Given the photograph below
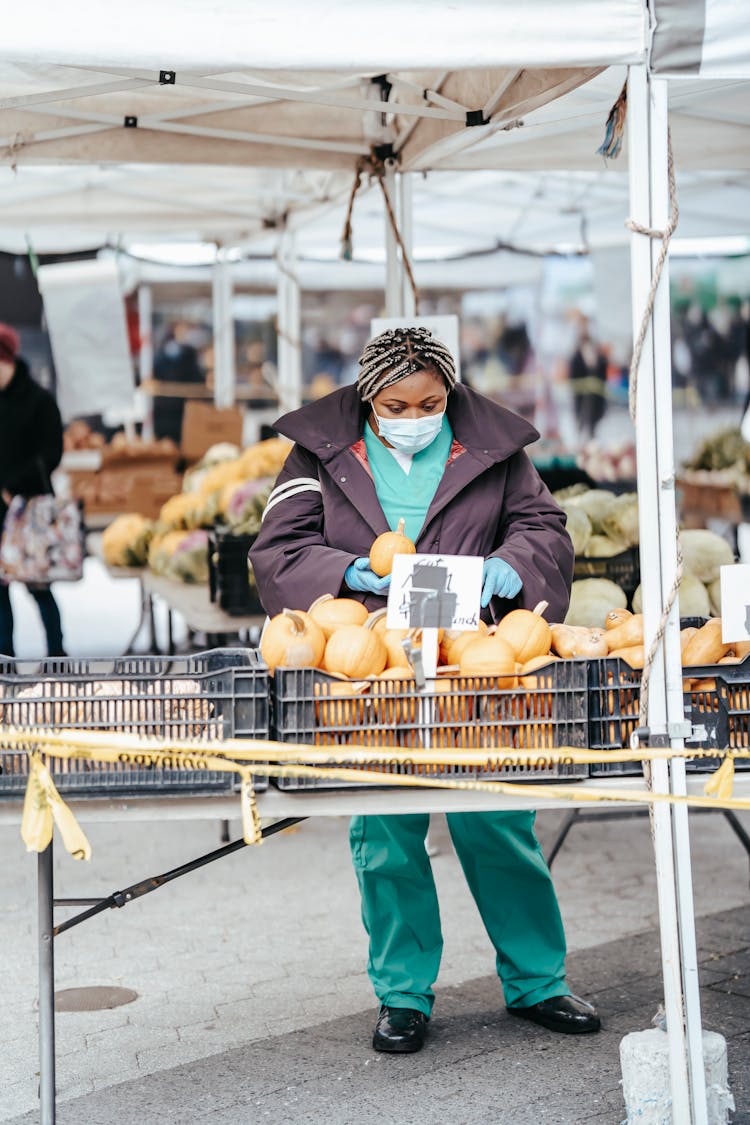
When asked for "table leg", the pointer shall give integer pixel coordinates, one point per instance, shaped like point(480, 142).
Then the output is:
point(170, 632)
point(152, 645)
point(46, 987)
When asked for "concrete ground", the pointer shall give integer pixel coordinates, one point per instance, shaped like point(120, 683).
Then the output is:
point(254, 1005)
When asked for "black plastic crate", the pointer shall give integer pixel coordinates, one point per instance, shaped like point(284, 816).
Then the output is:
point(228, 579)
point(469, 713)
point(614, 700)
point(623, 569)
point(731, 691)
point(223, 693)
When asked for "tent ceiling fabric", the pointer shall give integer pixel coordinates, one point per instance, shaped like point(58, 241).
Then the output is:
point(242, 35)
point(263, 119)
point(710, 38)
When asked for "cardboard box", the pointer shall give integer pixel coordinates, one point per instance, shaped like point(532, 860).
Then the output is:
point(203, 426)
point(117, 491)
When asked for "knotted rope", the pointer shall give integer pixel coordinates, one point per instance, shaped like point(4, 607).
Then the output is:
point(374, 168)
point(664, 236)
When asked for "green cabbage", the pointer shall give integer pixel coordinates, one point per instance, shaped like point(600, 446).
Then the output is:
point(621, 522)
point(694, 597)
point(602, 547)
point(596, 503)
point(591, 599)
point(704, 553)
point(578, 525)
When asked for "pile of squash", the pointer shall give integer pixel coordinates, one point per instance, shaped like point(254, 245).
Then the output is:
point(487, 693)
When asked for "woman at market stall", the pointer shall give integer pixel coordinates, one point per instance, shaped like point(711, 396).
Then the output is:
point(410, 442)
point(31, 446)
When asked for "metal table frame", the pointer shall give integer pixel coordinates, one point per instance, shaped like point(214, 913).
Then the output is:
point(283, 809)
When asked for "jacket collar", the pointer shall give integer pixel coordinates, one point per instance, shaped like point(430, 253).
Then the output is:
point(335, 423)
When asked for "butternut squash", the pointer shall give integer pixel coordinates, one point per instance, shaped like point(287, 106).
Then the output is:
point(576, 642)
point(616, 617)
point(706, 646)
point(633, 655)
point(629, 633)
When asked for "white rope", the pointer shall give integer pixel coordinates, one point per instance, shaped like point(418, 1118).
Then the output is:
point(665, 236)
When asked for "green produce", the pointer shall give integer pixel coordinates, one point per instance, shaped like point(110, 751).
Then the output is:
point(694, 597)
point(591, 599)
point(714, 596)
point(597, 504)
point(704, 553)
point(621, 521)
point(602, 547)
point(578, 526)
point(720, 451)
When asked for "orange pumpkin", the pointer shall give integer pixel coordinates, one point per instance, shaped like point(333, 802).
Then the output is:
point(331, 613)
point(386, 546)
point(526, 631)
point(488, 656)
point(455, 641)
point(292, 639)
point(355, 651)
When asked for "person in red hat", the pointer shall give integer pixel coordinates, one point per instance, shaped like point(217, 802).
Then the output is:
point(31, 445)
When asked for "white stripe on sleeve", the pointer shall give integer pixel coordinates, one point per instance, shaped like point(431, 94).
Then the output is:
point(287, 493)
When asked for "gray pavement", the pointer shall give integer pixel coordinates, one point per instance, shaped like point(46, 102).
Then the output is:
point(254, 1005)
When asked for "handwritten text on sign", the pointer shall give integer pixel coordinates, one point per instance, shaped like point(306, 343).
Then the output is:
point(435, 592)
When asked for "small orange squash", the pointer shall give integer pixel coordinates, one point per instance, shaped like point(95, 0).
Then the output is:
point(616, 617)
point(386, 546)
point(292, 639)
point(629, 633)
point(455, 641)
point(331, 613)
point(355, 651)
point(705, 646)
point(526, 631)
point(488, 656)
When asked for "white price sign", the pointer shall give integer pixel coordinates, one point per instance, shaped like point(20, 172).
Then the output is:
point(435, 592)
point(735, 603)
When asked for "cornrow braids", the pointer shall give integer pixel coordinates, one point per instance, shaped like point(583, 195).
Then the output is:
point(400, 352)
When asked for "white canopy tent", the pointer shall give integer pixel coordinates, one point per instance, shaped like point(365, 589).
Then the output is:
point(439, 84)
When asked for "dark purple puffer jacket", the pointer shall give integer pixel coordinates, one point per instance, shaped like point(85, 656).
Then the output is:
point(324, 512)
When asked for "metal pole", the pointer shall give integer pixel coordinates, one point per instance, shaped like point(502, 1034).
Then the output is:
point(653, 580)
point(45, 895)
point(225, 377)
point(406, 220)
point(393, 267)
point(146, 352)
point(289, 324)
point(658, 139)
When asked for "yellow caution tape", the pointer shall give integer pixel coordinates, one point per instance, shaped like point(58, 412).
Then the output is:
point(721, 783)
point(43, 803)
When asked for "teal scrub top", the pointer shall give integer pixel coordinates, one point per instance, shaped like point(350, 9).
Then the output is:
point(402, 495)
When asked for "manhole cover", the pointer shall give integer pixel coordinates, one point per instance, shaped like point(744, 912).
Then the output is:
point(93, 999)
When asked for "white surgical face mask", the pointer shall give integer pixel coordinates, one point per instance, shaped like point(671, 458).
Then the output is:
point(410, 435)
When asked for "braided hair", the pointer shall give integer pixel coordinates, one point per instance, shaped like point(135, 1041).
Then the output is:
point(400, 352)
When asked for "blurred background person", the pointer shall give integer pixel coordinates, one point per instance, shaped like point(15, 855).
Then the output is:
point(176, 362)
point(31, 446)
point(588, 382)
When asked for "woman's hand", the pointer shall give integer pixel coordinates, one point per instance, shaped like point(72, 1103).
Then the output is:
point(499, 579)
point(360, 577)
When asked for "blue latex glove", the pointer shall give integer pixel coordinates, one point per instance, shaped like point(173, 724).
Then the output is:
point(359, 577)
point(499, 579)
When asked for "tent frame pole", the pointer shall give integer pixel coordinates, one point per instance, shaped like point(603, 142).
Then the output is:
point(225, 374)
point(649, 205)
point(393, 267)
point(406, 221)
point(146, 353)
point(289, 324)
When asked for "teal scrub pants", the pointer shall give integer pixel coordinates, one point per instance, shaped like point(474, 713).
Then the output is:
point(512, 887)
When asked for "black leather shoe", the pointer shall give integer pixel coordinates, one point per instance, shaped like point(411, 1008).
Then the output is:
point(400, 1030)
point(568, 1014)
